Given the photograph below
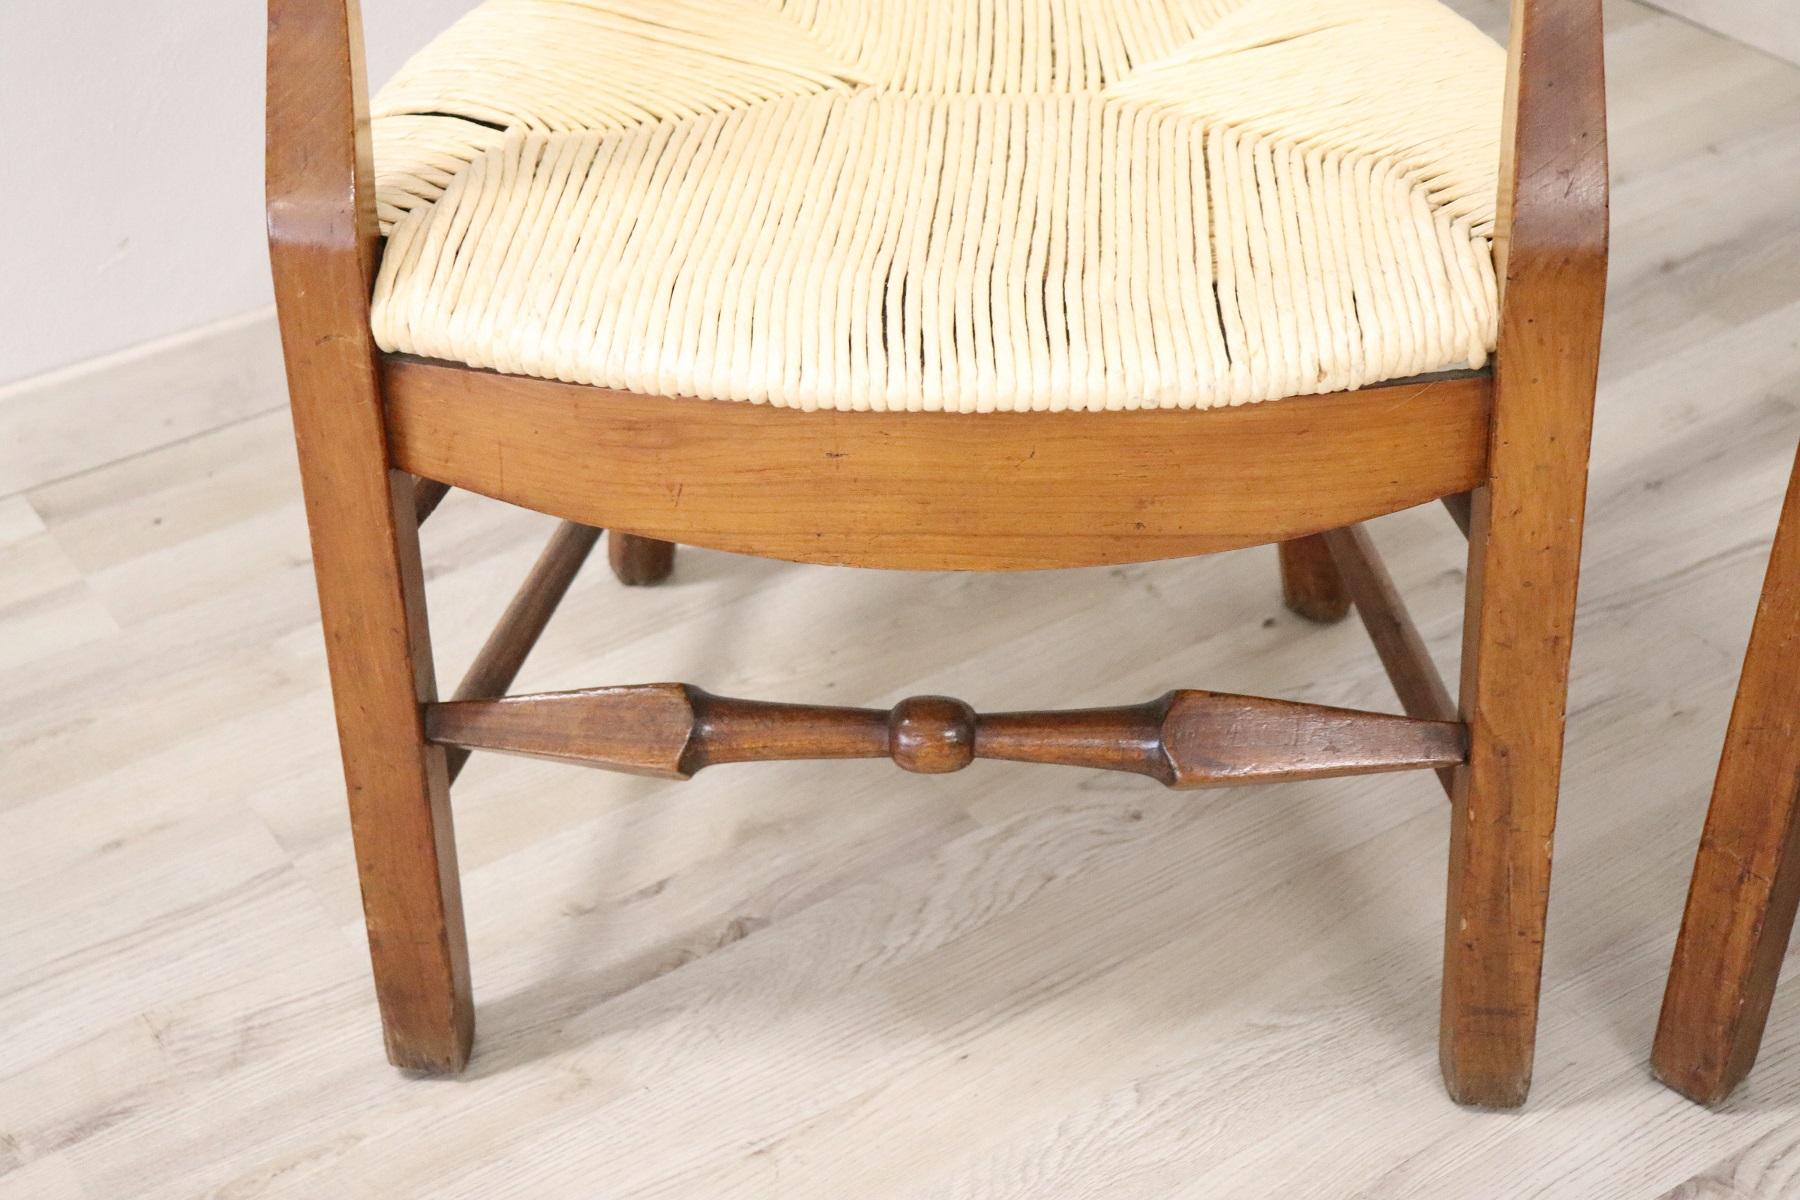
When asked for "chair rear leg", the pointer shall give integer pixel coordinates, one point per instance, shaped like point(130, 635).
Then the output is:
point(1310, 583)
point(639, 561)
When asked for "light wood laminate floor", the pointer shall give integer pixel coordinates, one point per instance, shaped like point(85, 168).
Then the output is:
point(842, 981)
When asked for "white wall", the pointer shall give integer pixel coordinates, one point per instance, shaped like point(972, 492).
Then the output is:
point(131, 167)
point(1772, 26)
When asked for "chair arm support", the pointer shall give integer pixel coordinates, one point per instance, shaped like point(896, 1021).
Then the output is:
point(1553, 174)
point(319, 164)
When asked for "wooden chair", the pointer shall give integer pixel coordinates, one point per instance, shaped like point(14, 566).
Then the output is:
point(877, 480)
point(1740, 907)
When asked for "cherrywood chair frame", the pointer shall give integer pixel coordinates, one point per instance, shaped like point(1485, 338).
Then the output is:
point(381, 436)
point(1746, 885)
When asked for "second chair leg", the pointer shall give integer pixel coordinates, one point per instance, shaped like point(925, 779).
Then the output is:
point(639, 561)
point(1746, 886)
point(1310, 583)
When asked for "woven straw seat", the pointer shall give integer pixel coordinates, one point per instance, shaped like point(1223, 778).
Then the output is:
point(967, 205)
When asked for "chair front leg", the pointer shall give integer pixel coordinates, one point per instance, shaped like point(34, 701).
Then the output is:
point(1550, 242)
point(1524, 553)
point(364, 520)
point(371, 594)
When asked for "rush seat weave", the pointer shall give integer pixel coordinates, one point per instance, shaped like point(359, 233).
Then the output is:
point(966, 205)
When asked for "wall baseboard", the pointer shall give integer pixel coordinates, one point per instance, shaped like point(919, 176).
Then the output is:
point(73, 419)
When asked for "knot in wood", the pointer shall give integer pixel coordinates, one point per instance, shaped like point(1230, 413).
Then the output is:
point(932, 735)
